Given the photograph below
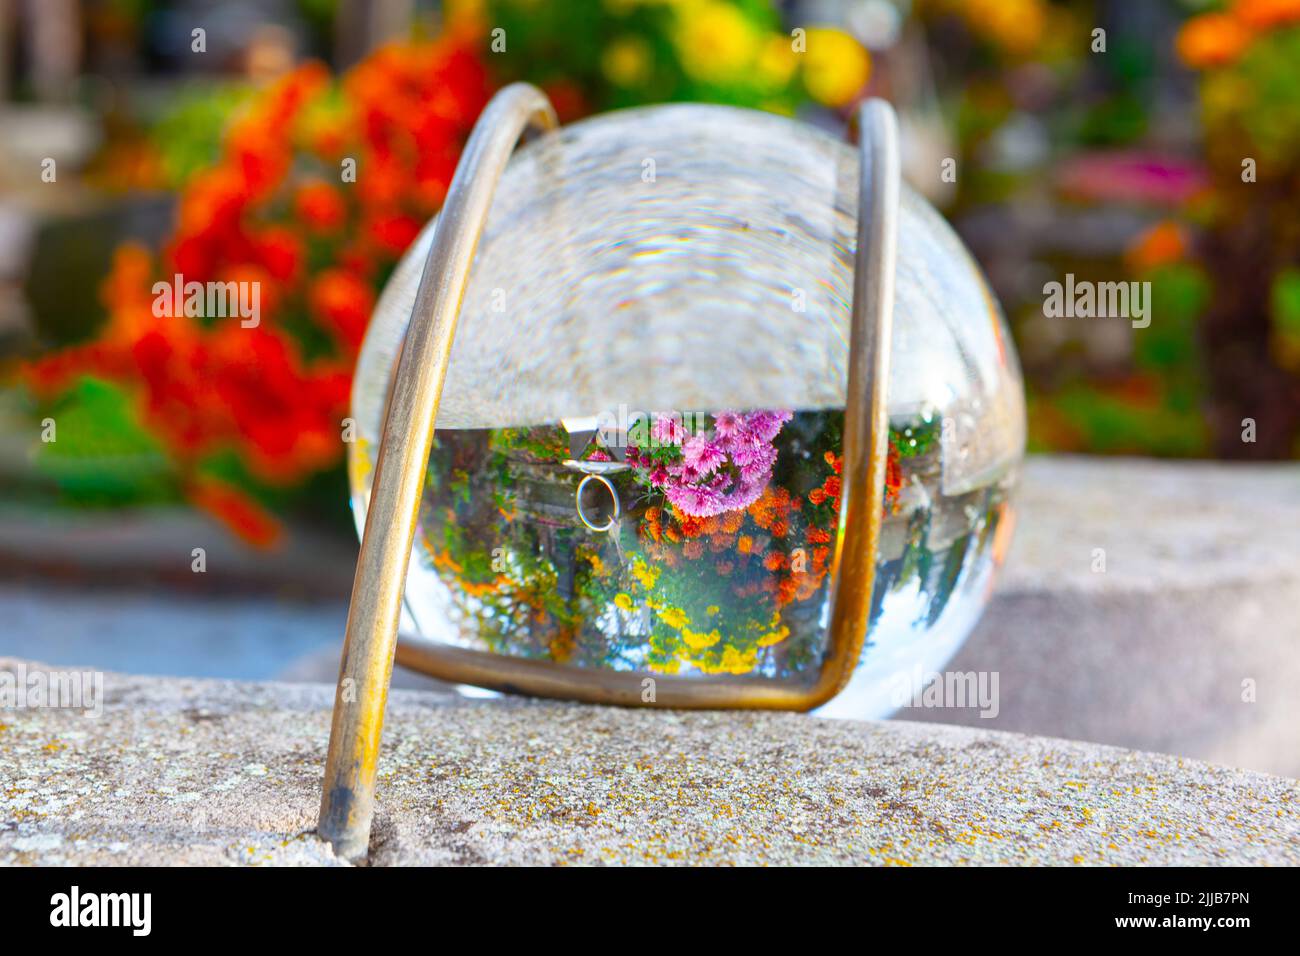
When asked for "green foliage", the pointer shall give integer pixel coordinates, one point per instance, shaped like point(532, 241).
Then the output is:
point(1111, 423)
point(188, 136)
point(1179, 293)
point(101, 455)
point(1286, 302)
point(1253, 107)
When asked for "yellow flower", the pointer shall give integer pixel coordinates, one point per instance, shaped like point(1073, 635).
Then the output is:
point(716, 42)
point(465, 13)
point(835, 66)
point(359, 462)
point(774, 637)
point(674, 618)
point(698, 640)
point(734, 662)
point(626, 61)
point(1015, 25)
point(712, 609)
point(623, 601)
point(776, 62)
point(644, 573)
point(598, 567)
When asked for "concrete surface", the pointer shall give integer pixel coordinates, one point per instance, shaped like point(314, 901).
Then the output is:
point(191, 772)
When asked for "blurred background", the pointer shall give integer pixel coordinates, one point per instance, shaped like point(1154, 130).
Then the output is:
point(1155, 141)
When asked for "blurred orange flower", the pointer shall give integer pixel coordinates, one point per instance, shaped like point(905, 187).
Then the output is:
point(234, 509)
point(1265, 14)
point(1211, 40)
point(1163, 243)
point(304, 176)
point(320, 206)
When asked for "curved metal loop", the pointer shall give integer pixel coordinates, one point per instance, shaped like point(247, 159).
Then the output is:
point(613, 494)
point(347, 801)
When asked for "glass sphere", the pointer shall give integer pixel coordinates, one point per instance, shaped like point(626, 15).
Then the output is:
point(658, 312)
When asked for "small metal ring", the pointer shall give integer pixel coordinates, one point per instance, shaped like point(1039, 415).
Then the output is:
point(613, 494)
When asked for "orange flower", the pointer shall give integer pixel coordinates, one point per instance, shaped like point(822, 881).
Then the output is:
point(1265, 14)
point(207, 386)
point(807, 585)
point(1163, 243)
point(236, 510)
point(342, 304)
point(774, 561)
point(692, 526)
point(893, 477)
point(1212, 40)
point(786, 590)
point(279, 251)
point(772, 506)
point(319, 206)
point(392, 234)
point(745, 545)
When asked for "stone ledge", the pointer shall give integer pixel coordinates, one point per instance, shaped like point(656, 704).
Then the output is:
point(189, 772)
point(1201, 591)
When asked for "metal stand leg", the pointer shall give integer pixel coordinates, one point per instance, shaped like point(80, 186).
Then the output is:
point(866, 413)
point(347, 800)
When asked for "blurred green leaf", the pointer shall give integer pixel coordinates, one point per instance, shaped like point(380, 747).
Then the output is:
point(101, 455)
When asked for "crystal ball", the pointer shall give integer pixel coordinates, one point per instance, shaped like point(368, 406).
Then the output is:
point(636, 462)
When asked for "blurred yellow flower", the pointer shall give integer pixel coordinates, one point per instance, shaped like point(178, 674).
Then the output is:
point(674, 618)
point(735, 662)
point(715, 41)
point(466, 14)
point(835, 67)
point(1015, 25)
point(698, 640)
point(644, 573)
point(623, 601)
point(776, 62)
point(626, 61)
point(774, 637)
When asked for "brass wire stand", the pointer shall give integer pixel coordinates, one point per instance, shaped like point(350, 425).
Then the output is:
point(371, 641)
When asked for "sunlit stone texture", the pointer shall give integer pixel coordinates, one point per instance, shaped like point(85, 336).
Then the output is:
point(661, 299)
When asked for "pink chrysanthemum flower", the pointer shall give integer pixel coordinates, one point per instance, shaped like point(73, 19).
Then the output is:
point(667, 430)
point(718, 473)
point(726, 424)
point(702, 454)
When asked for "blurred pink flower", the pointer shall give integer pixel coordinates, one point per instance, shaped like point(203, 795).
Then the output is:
point(1132, 177)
